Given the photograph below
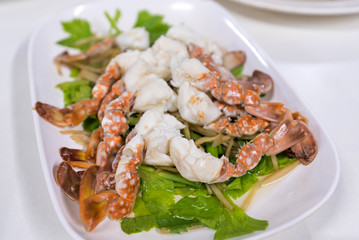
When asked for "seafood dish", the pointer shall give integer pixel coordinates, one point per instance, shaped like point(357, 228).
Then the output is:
point(174, 131)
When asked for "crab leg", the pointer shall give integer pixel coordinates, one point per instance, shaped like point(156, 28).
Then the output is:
point(197, 165)
point(94, 50)
point(228, 89)
point(289, 134)
point(76, 113)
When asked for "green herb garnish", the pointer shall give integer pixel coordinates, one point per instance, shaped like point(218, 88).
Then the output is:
point(153, 23)
point(75, 91)
point(77, 29)
point(114, 30)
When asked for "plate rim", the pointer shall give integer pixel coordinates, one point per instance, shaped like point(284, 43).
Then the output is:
point(326, 8)
point(258, 49)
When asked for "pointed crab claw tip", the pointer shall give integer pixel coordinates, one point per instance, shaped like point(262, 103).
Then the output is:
point(89, 211)
point(97, 208)
point(45, 110)
point(294, 135)
point(52, 114)
point(65, 154)
point(262, 80)
point(286, 135)
point(66, 57)
point(68, 154)
point(306, 150)
point(68, 180)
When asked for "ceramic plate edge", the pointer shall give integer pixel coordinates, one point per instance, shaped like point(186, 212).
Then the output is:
point(300, 10)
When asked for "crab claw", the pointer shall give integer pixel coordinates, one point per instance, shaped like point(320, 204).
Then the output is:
point(75, 157)
point(306, 150)
point(54, 115)
point(69, 154)
point(269, 111)
point(259, 81)
point(285, 135)
point(68, 116)
point(91, 216)
point(94, 50)
point(97, 207)
point(68, 180)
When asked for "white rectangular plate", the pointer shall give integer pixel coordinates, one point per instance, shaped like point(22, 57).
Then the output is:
point(282, 204)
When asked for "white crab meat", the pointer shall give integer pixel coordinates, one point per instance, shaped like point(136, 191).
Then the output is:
point(148, 121)
point(190, 70)
point(138, 75)
point(155, 94)
point(148, 57)
point(157, 140)
point(125, 60)
point(194, 164)
point(157, 145)
point(187, 36)
point(135, 38)
point(169, 54)
point(156, 130)
point(195, 106)
point(153, 118)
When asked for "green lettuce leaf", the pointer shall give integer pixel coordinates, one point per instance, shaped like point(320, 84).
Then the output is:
point(157, 207)
point(264, 167)
point(186, 191)
point(91, 123)
point(140, 208)
point(77, 29)
point(205, 209)
point(210, 212)
point(138, 224)
point(241, 185)
point(75, 91)
point(153, 24)
point(237, 223)
point(177, 225)
point(157, 192)
point(158, 196)
point(284, 160)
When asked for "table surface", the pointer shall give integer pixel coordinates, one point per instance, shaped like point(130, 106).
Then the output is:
point(319, 56)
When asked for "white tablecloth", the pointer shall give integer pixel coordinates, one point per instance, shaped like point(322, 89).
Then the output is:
point(318, 55)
